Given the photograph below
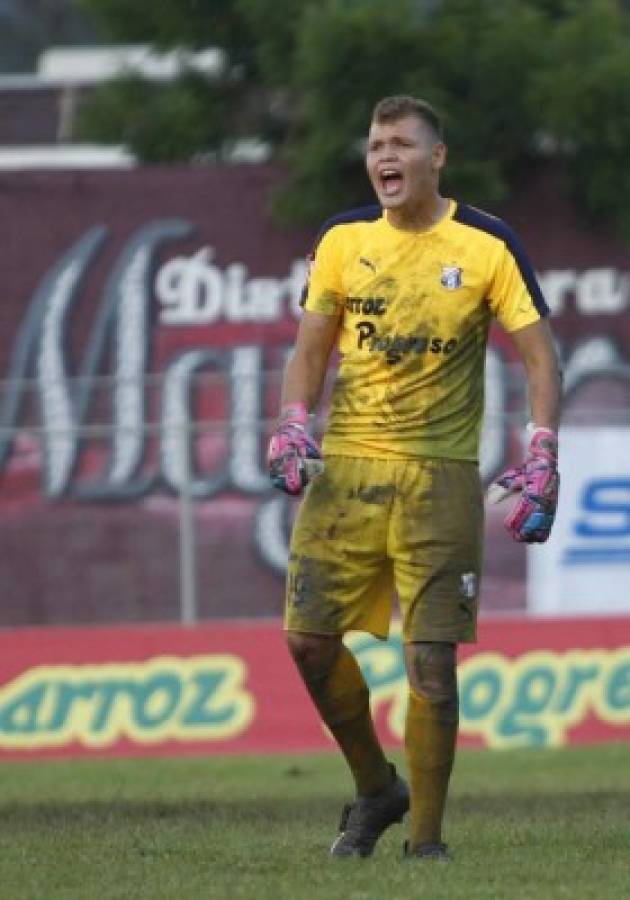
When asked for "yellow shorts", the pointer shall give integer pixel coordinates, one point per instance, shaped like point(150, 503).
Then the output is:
point(370, 528)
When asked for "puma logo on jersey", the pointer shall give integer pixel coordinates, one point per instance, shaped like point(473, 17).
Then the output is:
point(368, 263)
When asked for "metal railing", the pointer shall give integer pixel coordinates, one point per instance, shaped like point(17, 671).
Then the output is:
point(173, 428)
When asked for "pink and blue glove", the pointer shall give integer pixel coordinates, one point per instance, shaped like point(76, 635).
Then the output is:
point(293, 456)
point(537, 482)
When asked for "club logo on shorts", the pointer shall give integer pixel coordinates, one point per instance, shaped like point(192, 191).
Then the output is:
point(468, 585)
point(451, 277)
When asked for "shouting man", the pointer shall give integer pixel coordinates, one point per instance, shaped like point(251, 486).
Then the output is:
point(406, 289)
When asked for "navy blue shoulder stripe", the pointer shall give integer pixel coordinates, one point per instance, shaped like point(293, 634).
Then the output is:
point(476, 218)
point(361, 214)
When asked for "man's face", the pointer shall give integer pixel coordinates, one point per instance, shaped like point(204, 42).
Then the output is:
point(403, 161)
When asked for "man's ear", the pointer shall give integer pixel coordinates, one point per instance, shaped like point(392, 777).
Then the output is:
point(438, 156)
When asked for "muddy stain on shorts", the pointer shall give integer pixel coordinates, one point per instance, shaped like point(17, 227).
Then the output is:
point(310, 588)
point(377, 494)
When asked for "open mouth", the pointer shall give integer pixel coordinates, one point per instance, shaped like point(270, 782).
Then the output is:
point(391, 182)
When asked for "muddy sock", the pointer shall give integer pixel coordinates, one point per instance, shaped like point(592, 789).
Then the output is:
point(342, 698)
point(430, 737)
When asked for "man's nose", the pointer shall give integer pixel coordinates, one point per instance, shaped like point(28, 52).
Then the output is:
point(388, 153)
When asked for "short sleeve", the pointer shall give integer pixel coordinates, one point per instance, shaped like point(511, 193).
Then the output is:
point(324, 289)
point(514, 296)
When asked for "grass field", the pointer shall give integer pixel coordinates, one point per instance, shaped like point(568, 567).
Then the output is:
point(532, 824)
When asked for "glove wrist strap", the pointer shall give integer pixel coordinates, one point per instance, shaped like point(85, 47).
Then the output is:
point(533, 429)
point(294, 412)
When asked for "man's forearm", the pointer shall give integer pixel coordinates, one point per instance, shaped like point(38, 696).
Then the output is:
point(303, 380)
point(545, 395)
point(306, 368)
point(534, 344)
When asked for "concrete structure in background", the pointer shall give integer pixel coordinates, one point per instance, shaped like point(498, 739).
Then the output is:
point(64, 156)
point(38, 111)
point(81, 66)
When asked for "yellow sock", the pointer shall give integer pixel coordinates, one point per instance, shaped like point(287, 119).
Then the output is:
point(342, 699)
point(430, 737)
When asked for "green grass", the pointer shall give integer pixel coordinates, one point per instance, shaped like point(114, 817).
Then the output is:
point(522, 824)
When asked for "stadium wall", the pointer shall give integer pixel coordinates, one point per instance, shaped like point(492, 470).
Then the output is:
point(146, 317)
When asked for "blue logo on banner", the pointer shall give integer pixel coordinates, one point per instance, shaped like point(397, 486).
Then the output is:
point(603, 524)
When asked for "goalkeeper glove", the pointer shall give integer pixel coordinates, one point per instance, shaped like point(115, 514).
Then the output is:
point(293, 456)
point(537, 482)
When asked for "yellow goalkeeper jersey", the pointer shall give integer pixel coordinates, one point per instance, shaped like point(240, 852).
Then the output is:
point(415, 308)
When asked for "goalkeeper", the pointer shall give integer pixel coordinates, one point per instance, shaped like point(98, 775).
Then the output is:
point(406, 290)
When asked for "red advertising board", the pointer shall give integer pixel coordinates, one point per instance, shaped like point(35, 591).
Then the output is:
point(230, 687)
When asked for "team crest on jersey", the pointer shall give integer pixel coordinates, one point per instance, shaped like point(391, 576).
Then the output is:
point(451, 277)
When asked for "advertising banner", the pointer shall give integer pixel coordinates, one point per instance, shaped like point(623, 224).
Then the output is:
point(585, 565)
point(231, 688)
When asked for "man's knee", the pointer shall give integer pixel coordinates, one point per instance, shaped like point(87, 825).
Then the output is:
point(313, 654)
point(432, 671)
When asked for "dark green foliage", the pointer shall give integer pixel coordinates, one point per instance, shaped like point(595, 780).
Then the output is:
point(169, 122)
point(516, 81)
point(584, 101)
point(471, 59)
point(29, 26)
point(165, 23)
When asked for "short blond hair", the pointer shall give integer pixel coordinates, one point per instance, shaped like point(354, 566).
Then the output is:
point(391, 109)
